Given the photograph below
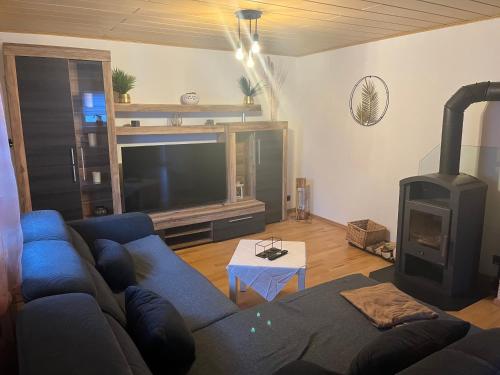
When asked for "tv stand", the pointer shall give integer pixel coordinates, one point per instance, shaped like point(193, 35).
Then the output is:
point(218, 222)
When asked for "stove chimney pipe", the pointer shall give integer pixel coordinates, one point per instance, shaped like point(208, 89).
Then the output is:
point(453, 121)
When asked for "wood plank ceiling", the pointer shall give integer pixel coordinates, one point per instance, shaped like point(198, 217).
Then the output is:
point(288, 27)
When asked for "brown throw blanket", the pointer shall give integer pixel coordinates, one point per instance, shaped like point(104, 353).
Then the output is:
point(386, 306)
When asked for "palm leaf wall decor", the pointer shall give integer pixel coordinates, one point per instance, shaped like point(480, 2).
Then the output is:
point(367, 110)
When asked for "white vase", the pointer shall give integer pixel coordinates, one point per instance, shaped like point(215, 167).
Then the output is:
point(190, 98)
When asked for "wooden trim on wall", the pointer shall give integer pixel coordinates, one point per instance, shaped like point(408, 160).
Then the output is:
point(113, 148)
point(341, 226)
point(16, 132)
point(291, 215)
point(15, 49)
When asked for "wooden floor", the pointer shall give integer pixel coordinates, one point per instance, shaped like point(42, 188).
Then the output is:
point(328, 257)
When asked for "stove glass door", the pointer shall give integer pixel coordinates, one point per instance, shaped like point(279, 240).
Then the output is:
point(427, 231)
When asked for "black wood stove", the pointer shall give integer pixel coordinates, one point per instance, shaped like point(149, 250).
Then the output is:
point(441, 215)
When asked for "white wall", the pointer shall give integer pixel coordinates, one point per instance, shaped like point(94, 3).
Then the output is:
point(354, 170)
point(165, 73)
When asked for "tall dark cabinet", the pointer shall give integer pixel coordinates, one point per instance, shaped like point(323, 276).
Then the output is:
point(49, 134)
point(269, 173)
point(62, 125)
point(259, 166)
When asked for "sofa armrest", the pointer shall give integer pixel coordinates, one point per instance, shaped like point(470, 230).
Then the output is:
point(53, 267)
point(67, 334)
point(120, 228)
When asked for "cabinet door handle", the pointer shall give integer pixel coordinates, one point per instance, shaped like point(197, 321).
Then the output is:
point(241, 219)
point(258, 151)
point(83, 165)
point(73, 163)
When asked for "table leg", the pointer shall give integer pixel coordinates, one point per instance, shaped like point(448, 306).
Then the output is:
point(233, 287)
point(302, 279)
point(243, 286)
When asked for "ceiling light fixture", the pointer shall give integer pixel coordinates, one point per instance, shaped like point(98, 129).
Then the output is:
point(252, 16)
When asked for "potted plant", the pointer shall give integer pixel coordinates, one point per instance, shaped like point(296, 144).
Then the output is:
point(249, 90)
point(122, 84)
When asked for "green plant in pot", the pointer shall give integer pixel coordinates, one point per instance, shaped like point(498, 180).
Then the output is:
point(250, 91)
point(122, 84)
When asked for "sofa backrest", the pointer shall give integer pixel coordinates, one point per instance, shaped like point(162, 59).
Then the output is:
point(49, 264)
point(43, 225)
point(474, 354)
point(119, 228)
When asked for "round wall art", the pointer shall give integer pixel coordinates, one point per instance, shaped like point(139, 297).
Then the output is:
point(369, 100)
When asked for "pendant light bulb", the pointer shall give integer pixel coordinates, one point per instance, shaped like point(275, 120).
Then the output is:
point(250, 61)
point(239, 53)
point(255, 43)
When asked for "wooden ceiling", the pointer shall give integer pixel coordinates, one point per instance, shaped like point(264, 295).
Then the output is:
point(288, 27)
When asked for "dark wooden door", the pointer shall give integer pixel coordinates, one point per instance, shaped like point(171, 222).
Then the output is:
point(49, 134)
point(269, 173)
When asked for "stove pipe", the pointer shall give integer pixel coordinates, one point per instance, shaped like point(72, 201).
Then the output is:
point(453, 121)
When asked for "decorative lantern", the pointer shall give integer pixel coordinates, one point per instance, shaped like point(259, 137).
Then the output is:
point(302, 199)
point(239, 190)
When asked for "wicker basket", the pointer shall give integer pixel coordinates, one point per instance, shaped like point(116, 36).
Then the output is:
point(363, 233)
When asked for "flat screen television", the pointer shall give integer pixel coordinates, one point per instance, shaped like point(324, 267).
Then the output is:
point(176, 176)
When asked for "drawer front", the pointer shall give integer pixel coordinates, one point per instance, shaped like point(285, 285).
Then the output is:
point(239, 226)
point(427, 254)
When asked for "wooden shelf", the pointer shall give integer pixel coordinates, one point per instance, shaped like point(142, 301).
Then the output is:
point(184, 245)
point(251, 126)
point(220, 127)
point(172, 219)
point(159, 130)
point(123, 109)
point(188, 232)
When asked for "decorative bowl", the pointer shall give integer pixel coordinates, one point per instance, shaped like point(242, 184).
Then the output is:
point(190, 98)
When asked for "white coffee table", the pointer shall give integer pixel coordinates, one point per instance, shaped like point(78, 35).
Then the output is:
point(266, 277)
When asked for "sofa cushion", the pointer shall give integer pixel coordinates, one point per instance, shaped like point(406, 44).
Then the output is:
point(53, 267)
point(475, 354)
point(115, 264)
point(105, 297)
point(159, 332)
point(43, 225)
point(67, 334)
point(81, 246)
point(134, 358)
point(400, 347)
point(317, 325)
point(159, 269)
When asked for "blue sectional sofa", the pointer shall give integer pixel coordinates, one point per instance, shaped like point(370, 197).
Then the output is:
point(73, 323)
